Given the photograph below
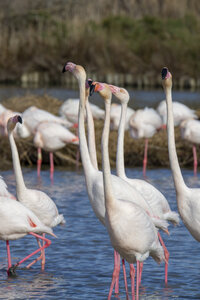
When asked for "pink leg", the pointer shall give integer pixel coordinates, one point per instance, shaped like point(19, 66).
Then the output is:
point(115, 277)
point(166, 257)
point(117, 266)
point(145, 157)
point(51, 165)
point(132, 275)
point(141, 267)
point(125, 280)
point(195, 159)
point(138, 277)
point(47, 244)
point(39, 161)
point(8, 255)
point(42, 256)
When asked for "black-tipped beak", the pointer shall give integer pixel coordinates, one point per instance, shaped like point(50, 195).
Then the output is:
point(92, 88)
point(164, 73)
point(64, 70)
point(90, 81)
point(19, 119)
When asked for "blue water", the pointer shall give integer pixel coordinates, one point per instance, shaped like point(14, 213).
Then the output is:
point(79, 262)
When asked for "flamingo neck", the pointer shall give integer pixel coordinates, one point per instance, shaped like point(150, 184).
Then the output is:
point(85, 158)
point(174, 164)
point(120, 143)
point(108, 193)
point(91, 135)
point(20, 185)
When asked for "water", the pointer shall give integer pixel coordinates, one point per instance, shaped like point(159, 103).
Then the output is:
point(138, 98)
point(79, 262)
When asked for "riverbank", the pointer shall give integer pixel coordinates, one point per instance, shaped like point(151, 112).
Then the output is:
point(133, 149)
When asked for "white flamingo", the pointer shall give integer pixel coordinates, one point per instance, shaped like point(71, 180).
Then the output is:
point(132, 232)
point(16, 221)
point(115, 113)
point(153, 196)
point(5, 114)
point(144, 123)
point(190, 131)
point(94, 179)
point(187, 198)
point(181, 112)
point(32, 116)
point(69, 109)
point(37, 201)
point(51, 137)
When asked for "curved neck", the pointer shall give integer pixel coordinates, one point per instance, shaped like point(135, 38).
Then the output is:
point(20, 185)
point(91, 135)
point(85, 158)
point(120, 143)
point(109, 197)
point(174, 164)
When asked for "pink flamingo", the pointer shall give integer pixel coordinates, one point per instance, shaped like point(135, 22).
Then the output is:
point(37, 201)
point(17, 221)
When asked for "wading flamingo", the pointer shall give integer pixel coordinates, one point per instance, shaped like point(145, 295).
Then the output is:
point(16, 221)
point(37, 201)
point(51, 137)
point(153, 196)
point(93, 177)
point(190, 131)
point(187, 198)
point(144, 123)
point(131, 230)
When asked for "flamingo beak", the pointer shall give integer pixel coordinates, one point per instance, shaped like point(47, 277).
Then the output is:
point(92, 88)
point(164, 73)
point(64, 69)
point(19, 119)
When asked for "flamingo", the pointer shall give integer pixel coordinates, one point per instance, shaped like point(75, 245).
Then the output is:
point(37, 201)
point(187, 198)
point(32, 116)
point(16, 221)
point(131, 230)
point(153, 196)
point(190, 131)
point(144, 123)
point(115, 112)
point(93, 177)
point(5, 114)
point(69, 110)
point(181, 112)
point(51, 136)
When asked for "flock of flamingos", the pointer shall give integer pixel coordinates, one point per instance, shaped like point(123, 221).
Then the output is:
point(132, 210)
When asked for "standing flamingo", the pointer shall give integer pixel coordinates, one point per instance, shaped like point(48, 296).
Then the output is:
point(50, 137)
point(187, 198)
point(132, 232)
point(37, 201)
point(153, 196)
point(144, 123)
point(190, 131)
point(17, 221)
point(181, 112)
point(93, 177)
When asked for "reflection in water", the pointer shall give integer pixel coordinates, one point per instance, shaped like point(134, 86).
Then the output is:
point(79, 263)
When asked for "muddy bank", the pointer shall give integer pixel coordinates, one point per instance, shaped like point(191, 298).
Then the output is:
point(133, 149)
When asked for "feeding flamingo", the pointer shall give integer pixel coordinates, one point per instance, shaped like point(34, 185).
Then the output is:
point(50, 137)
point(37, 201)
point(16, 221)
point(187, 198)
point(94, 180)
point(144, 123)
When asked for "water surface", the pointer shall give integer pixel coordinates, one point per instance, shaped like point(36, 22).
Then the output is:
point(79, 262)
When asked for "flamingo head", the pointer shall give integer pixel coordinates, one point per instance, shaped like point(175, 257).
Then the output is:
point(103, 90)
point(120, 93)
point(166, 78)
point(12, 122)
point(77, 70)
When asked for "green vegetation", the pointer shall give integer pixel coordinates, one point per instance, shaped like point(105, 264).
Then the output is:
point(38, 40)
